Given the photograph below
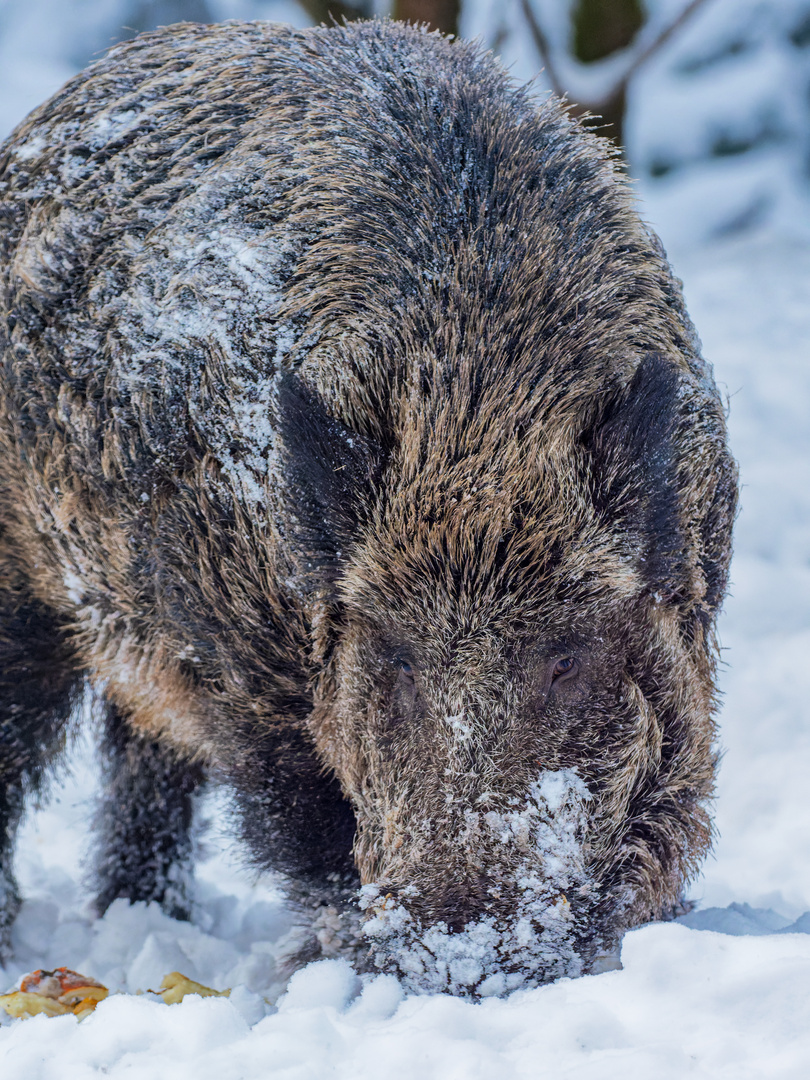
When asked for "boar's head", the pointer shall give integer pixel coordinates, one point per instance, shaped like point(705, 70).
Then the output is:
point(517, 683)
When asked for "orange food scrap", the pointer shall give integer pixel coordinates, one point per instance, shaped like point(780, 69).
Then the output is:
point(54, 993)
point(63, 992)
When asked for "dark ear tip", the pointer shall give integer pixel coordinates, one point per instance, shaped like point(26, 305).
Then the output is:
point(295, 401)
point(655, 439)
point(634, 455)
point(327, 470)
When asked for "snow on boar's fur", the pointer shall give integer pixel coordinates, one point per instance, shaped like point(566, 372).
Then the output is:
point(357, 446)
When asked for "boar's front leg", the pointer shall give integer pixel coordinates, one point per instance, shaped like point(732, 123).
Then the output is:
point(39, 683)
point(144, 821)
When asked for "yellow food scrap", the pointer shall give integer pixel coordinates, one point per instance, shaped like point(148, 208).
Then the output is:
point(176, 986)
point(84, 993)
point(20, 1004)
point(85, 1007)
point(63, 992)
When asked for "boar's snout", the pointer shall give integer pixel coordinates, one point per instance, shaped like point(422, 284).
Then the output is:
point(498, 897)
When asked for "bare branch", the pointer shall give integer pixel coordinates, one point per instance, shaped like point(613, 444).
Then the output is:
point(611, 106)
point(658, 43)
point(501, 35)
point(543, 47)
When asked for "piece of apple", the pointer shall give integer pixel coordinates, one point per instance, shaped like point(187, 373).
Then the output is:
point(21, 1005)
point(175, 987)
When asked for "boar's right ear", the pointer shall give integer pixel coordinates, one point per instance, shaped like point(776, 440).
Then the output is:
point(635, 466)
point(328, 473)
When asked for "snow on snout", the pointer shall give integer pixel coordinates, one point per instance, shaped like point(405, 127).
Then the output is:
point(458, 724)
point(489, 957)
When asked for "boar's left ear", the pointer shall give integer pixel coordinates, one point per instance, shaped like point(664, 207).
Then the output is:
point(328, 474)
point(635, 472)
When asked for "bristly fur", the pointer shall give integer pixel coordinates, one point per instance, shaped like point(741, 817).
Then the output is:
point(345, 402)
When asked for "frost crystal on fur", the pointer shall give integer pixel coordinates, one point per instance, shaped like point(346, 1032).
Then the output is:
point(486, 957)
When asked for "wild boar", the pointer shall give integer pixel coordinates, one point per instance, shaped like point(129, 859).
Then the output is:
point(357, 448)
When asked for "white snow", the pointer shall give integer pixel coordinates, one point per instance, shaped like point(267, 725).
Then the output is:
point(74, 586)
point(724, 994)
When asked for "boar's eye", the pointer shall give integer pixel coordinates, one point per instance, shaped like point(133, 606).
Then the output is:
point(405, 668)
point(564, 669)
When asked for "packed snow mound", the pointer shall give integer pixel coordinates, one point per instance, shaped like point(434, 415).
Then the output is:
point(686, 1003)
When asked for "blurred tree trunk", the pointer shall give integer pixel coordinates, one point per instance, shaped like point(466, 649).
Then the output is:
point(329, 11)
point(602, 27)
point(438, 14)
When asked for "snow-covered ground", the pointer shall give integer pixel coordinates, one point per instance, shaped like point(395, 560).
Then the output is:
point(724, 994)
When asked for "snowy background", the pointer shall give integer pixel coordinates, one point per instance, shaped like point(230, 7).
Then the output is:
point(719, 142)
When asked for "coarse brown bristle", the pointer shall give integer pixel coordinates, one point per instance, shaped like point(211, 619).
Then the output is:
point(357, 445)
